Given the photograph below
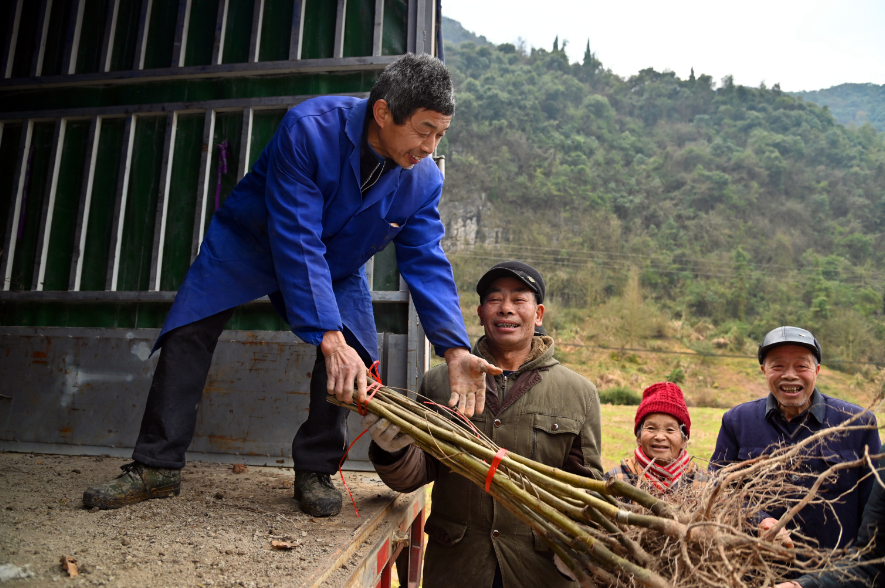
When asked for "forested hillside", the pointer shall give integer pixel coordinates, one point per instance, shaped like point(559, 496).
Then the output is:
point(456, 34)
point(661, 208)
point(852, 104)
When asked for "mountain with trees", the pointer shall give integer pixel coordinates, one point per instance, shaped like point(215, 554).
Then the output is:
point(710, 210)
point(852, 104)
point(455, 33)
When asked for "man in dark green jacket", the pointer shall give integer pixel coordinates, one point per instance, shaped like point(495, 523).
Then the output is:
point(537, 408)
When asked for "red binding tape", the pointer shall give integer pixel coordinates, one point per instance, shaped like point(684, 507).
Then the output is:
point(362, 409)
point(494, 467)
point(372, 389)
point(341, 463)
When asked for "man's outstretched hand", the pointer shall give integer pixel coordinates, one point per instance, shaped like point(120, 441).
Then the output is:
point(467, 380)
point(344, 368)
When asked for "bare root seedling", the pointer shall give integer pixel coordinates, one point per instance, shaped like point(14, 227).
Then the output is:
point(622, 535)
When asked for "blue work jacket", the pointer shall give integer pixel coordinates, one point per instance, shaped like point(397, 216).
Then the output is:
point(298, 229)
point(752, 429)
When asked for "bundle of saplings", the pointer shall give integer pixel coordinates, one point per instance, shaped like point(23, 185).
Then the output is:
point(611, 533)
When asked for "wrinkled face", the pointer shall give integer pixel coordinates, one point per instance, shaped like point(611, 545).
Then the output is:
point(791, 374)
point(407, 144)
point(660, 437)
point(509, 314)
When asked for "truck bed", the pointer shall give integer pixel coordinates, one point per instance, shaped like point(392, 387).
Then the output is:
point(218, 532)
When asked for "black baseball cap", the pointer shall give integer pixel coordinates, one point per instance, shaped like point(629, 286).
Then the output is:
point(789, 336)
point(513, 269)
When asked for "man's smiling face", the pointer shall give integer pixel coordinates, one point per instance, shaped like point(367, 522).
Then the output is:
point(509, 314)
point(791, 375)
point(407, 144)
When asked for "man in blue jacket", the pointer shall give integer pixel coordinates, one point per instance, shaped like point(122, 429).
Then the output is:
point(340, 180)
point(794, 410)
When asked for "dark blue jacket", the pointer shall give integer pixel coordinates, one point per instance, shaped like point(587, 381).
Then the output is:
point(750, 429)
point(872, 536)
point(298, 229)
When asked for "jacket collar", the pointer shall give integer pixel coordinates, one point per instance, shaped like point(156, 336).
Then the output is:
point(541, 355)
point(817, 409)
point(353, 128)
point(356, 122)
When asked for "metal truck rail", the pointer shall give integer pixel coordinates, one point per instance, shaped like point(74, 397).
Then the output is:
point(112, 114)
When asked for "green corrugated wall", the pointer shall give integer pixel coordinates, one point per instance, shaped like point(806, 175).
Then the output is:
point(139, 213)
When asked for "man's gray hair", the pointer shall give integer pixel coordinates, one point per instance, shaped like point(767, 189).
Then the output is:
point(412, 82)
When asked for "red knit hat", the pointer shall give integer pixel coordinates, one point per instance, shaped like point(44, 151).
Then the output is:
point(664, 397)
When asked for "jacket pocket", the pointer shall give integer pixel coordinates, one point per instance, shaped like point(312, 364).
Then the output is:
point(444, 531)
point(552, 438)
point(843, 480)
point(382, 232)
point(556, 425)
point(745, 453)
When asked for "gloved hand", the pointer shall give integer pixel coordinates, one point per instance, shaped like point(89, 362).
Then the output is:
point(385, 434)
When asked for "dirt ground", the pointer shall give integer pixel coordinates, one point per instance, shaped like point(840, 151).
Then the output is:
point(217, 533)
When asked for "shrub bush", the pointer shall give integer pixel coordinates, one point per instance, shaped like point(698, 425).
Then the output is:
point(677, 376)
point(620, 395)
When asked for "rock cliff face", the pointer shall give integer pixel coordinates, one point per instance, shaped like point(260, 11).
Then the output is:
point(467, 221)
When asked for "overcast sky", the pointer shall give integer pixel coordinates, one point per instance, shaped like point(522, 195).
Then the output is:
point(803, 44)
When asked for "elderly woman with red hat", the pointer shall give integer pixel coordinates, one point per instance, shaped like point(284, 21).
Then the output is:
point(660, 461)
point(662, 427)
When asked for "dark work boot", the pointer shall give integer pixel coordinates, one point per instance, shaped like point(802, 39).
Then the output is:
point(317, 495)
point(137, 482)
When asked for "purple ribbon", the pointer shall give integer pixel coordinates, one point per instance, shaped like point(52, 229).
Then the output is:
point(21, 214)
point(222, 169)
